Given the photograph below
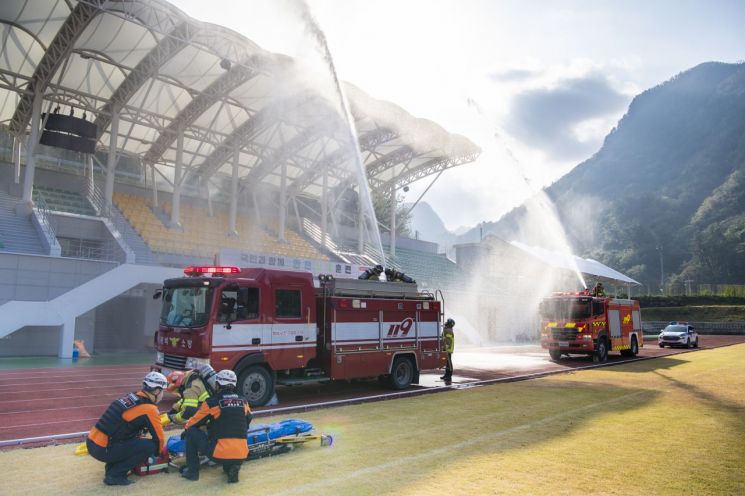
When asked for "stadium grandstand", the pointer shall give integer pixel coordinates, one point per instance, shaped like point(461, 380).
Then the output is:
point(136, 140)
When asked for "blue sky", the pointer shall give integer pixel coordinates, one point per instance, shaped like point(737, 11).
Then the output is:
point(536, 84)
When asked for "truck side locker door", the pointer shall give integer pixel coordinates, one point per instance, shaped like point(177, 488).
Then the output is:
point(636, 320)
point(293, 331)
point(614, 324)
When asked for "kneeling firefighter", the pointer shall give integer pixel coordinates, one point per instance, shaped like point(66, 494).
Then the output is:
point(227, 417)
point(115, 439)
point(193, 388)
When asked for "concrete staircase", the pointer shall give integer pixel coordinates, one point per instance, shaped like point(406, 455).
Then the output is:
point(17, 234)
point(63, 310)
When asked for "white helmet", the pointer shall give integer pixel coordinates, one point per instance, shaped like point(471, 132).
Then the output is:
point(226, 378)
point(153, 381)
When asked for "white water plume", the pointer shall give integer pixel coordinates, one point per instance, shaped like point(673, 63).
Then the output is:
point(370, 225)
point(505, 282)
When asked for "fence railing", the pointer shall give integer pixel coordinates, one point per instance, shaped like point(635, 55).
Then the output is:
point(702, 289)
point(47, 226)
point(118, 224)
point(654, 327)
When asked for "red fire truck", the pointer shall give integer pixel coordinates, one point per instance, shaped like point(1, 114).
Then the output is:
point(582, 323)
point(283, 327)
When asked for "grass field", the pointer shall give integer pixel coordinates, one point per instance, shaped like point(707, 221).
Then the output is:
point(672, 425)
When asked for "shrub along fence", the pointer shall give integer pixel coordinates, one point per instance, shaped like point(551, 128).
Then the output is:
point(682, 301)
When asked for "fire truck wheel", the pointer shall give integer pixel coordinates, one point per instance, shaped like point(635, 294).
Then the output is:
point(402, 373)
point(601, 353)
point(633, 348)
point(255, 383)
point(555, 354)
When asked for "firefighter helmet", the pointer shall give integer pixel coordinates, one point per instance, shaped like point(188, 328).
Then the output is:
point(154, 381)
point(175, 380)
point(226, 378)
point(450, 323)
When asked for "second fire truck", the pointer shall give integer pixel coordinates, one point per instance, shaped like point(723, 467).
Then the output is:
point(579, 323)
point(285, 327)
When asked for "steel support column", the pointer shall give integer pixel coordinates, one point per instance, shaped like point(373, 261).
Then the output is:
point(177, 180)
point(206, 192)
point(325, 208)
point(155, 186)
point(111, 163)
point(232, 231)
point(282, 201)
point(33, 139)
point(17, 159)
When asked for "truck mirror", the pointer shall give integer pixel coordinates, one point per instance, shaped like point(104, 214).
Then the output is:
point(158, 293)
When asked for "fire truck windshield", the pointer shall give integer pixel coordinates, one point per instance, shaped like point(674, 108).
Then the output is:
point(565, 309)
point(186, 307)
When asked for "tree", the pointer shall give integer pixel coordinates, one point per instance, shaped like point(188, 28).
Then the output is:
point(382, 205)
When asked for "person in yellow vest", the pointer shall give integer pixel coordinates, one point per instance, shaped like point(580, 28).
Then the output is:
point(448, 346)
point(192, 391)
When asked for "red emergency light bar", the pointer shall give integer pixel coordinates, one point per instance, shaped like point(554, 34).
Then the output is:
point(197, 270)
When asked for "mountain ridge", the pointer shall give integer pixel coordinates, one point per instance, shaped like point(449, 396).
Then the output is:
point(668, 183)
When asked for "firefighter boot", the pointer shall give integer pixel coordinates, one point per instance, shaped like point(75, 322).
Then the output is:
point(117, 481)
point(188, 475)
point(232, 472)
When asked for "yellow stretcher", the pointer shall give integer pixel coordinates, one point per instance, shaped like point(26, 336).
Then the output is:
point(82, 449)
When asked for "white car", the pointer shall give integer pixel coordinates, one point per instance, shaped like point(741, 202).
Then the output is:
point(678, 334)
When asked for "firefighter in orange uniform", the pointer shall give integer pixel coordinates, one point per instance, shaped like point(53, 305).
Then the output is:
point(227, 416)
point(115, 439)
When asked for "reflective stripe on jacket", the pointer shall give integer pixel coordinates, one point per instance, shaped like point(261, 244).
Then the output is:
point(192, 393)
point(448, 340)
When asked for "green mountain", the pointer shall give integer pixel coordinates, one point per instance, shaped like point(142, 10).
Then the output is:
point(667, 185)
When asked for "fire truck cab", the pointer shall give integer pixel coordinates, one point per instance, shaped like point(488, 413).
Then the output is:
point(579, 323)
point(285, 327)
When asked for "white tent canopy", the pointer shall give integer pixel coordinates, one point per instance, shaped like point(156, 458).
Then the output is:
point(572, 262)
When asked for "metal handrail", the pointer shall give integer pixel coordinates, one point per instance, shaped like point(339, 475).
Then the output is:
point(103, 209)
point(45, 217)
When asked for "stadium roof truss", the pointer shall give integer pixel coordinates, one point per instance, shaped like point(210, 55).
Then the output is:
point(182, 94)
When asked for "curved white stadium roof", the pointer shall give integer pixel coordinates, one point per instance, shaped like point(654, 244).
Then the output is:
point(573, 262)
point(168, 75)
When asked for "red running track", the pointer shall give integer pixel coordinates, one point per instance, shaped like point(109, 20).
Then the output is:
point(45, 401)
point(55, 401)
